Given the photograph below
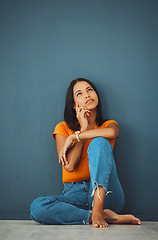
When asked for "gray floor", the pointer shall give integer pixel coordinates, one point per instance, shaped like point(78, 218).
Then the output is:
point(20, 229)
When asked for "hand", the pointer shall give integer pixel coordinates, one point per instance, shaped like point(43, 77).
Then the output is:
point(82, 113)
point(67, 145)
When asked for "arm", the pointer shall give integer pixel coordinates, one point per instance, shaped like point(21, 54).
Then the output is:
point(69, 156)
point(74, 154)
point(111, 132)
point(68, 153)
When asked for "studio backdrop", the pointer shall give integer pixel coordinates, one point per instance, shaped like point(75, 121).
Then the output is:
point(44, 44)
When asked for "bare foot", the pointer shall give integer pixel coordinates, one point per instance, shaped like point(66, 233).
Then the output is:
point(112, 217)
point(97, 219)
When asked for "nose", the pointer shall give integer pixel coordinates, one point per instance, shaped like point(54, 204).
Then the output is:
point(87, 95)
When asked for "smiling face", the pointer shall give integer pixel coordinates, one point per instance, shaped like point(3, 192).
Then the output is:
point(85, 95)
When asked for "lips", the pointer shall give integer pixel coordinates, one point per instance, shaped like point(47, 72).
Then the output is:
point(89, 101)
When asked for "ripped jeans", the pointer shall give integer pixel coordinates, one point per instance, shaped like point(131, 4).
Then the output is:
point(74, 205)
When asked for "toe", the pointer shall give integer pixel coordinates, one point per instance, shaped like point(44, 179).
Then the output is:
point(139, 222)
point(136, 221)
point(102, 225)
point(95, 225)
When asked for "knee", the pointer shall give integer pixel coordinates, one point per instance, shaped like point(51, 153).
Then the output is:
point(99, 143)
point(38, 209)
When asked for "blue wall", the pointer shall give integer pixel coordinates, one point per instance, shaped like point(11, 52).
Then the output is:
point(44, 44)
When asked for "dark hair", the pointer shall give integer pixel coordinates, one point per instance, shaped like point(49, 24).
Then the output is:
point(70, 113)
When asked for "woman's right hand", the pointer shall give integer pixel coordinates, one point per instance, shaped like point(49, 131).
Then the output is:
point(82, 113)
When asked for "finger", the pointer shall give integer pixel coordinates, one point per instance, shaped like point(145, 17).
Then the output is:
point(84, 112)
point(61, 158)
point(63, 163)
point(65, 159)
point(79, 109)
point(64, 155)
point(84, 109)
point(76, 107)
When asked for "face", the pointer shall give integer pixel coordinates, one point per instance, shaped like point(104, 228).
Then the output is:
point(85, 95)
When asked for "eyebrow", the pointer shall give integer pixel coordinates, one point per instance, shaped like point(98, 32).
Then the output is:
point(77, 91)
point(80, 90)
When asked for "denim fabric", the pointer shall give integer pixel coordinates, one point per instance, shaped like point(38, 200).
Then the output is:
point(75, 203)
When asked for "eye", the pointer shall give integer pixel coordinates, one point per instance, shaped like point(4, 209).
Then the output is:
point(90, 89)
point(78, 94)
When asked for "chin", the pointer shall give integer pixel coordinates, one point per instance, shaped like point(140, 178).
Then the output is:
point(91, 107)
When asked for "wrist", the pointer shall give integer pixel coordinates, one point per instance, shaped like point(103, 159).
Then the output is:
point(83, 129)
point(73, 137)
point(77, 135)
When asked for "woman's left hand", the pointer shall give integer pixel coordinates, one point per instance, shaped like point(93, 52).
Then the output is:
point(68, 144)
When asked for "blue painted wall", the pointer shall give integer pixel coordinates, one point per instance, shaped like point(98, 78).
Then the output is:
point(44, 44)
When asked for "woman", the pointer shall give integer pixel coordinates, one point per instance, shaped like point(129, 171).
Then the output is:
point(92, 191)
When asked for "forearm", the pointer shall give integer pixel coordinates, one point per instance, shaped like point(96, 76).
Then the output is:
point(98, 132)
point(75, 152)
point(74, 155)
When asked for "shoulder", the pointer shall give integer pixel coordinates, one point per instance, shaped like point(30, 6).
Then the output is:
point(62, 128)
point(108, 122)
point(62, 125)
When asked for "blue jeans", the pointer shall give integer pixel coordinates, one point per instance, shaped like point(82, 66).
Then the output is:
point(75, 204)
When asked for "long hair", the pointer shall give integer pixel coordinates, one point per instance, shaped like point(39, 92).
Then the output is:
point(70, 112)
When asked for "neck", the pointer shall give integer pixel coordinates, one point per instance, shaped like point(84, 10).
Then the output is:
point(92, 118)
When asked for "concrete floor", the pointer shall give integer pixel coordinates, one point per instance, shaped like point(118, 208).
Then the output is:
point(30, 230)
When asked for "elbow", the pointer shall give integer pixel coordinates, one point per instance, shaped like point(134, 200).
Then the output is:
point(115, 133)
point(69, 168)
